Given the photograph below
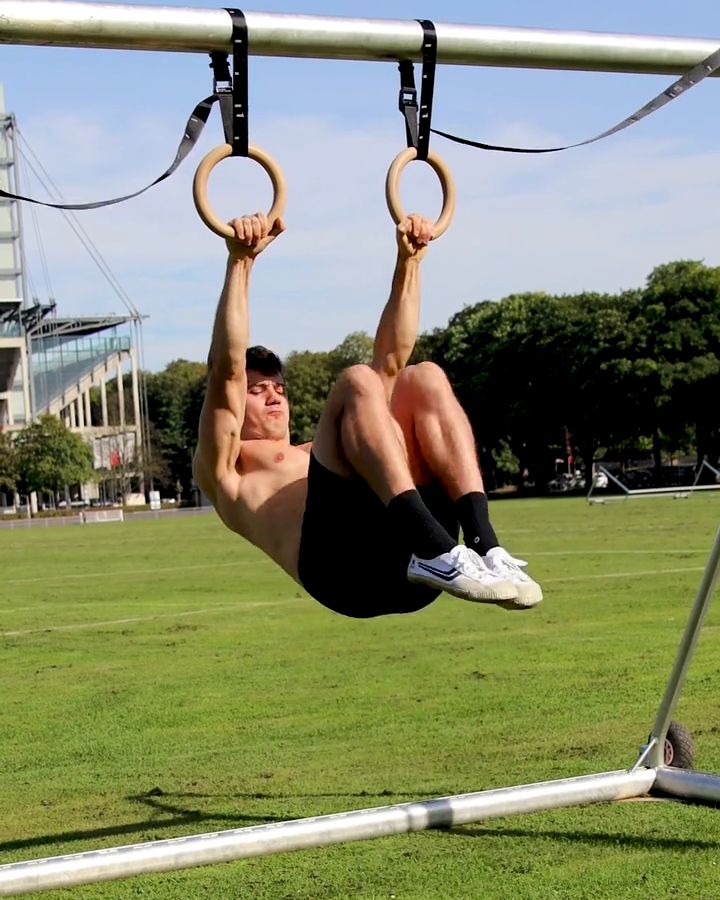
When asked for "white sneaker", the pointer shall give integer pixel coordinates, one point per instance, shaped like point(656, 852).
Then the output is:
point(499, 561)
point(462, 574)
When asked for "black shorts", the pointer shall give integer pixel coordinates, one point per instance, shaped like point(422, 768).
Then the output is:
point(350, 559)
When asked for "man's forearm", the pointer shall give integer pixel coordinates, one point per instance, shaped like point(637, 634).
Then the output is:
point(230, 336)
point(398, 328)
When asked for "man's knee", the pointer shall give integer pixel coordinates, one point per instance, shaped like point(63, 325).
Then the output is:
point(422, 382)
point(359, 381)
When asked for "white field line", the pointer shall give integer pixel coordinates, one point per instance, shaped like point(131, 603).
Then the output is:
point(132, 573)
point(136, 619)
point(583, 529)
point(534, 553)
point(623, 574)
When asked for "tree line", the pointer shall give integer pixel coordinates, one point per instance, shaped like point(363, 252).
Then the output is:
point(618, 377)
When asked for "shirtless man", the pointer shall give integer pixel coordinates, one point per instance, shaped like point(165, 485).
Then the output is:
point(366, 518)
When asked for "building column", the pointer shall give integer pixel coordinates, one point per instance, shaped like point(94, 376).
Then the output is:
point(135, 389)
point(88, 409)
point(26, 385)
point(103, 404)
point(80, 412)
point(73, 421)
point(139, 447)
point(121, 397)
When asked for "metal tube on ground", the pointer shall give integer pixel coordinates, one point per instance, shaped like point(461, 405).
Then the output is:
point(184, 29)
point(320, 831)
point(687, 489)
point(686, 785)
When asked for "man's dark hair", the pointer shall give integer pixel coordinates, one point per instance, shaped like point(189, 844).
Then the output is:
point(262, 360)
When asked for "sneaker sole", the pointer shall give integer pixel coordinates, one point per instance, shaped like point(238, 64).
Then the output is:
point(526, 599)
point(503, 592)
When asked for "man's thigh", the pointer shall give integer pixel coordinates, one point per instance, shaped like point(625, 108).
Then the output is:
point(403, 410)
point(327, 444)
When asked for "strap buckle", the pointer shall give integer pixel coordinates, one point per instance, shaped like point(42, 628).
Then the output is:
point(222, 82)
point(408, 99)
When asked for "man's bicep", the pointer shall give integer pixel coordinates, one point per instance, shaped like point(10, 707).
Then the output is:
point(221, 421)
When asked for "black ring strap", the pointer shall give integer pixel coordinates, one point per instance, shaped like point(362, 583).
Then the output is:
point(193, 129)
point(427, 87)
point(237, 134)
point(689, 80)
point(417, 127)
point(234, 111)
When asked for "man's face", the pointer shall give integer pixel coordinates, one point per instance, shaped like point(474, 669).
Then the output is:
point(267, 413)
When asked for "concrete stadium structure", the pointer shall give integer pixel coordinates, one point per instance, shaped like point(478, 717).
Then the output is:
point(50, 364)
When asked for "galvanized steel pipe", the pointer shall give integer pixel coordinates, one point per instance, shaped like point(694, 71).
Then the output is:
point(183, 29)
point(321, 831)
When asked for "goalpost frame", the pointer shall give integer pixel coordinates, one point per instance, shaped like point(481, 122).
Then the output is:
point(679, 492)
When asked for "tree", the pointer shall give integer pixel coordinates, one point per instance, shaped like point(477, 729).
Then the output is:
point(528, 369)
point(675, 352)
point(174, 401)
point(310, 376)
point(8, 465)
point(50, 457)
point(356, 348)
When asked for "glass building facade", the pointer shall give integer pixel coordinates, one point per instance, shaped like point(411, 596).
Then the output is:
point(59, 362)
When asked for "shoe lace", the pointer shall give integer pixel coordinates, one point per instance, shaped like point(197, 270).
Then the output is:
point(505, 564)
point(474, 561)
point(501, 565)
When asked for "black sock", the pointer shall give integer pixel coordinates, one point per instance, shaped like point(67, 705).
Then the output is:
point(414, 520)
point(472, 513)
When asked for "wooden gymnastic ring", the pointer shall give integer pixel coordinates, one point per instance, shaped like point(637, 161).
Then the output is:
point(392, 193)
point(208, 163)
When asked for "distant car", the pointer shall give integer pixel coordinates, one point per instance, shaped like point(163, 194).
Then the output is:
point(568, 481)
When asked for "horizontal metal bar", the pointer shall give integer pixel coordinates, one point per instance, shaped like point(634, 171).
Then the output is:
point(688, 785)
point(687, 489)
point(321, 831)
point(118, 26)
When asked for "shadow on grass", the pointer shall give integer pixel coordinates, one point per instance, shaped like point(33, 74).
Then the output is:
point(644, 841)
point(180, 814)
point(400, 796)
point(180, 817)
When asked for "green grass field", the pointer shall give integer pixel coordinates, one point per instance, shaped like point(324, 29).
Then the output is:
point(161, 678)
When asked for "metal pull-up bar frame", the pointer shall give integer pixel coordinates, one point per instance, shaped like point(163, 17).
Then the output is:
point(184, 29)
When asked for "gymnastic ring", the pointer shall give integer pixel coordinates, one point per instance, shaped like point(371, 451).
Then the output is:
point(392, 194)
point(208, 163)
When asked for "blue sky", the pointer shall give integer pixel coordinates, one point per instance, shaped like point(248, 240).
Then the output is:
point(599, 218)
